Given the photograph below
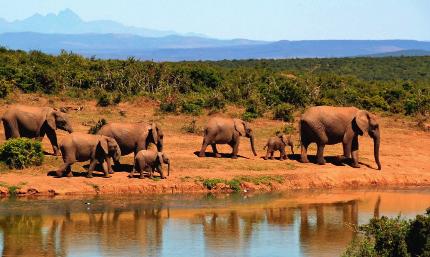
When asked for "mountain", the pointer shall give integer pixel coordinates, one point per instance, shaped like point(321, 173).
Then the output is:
point(68, 22)
point(411, 52)
point(178, 48)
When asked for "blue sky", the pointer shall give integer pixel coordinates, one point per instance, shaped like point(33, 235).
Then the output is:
point(253, 19)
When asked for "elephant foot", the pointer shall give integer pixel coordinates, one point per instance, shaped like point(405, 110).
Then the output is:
point(355, 165)
point(111, 172)
point(89, 176)
point(321, 162)
point(107, 176)
point(202, 155)
point(304, 160)
point(141, 176)
point(70, 175)
point(59, 174)
point(234, 156)
point(265, 158)
point(217, 155)
point(130, 175)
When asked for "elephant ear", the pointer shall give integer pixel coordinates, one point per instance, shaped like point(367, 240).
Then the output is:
point(362, 121)
point(154, 132)
point(103, 145)
point(51, 119)
point(239, 126)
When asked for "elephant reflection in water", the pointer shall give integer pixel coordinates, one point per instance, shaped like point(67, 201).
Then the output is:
point(320, 226)
point(26, 236)
point(110, 230)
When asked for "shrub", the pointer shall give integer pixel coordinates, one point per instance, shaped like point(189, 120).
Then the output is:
point(249, 116)
point(234, 185)
point(192, 127)
point(6, 88)
point(94, 129)
point(395, 237)
point(210, 183)
point(107, 99)
point(284, 112)
point(20, 153)
point(191, 108)
point(168, 106)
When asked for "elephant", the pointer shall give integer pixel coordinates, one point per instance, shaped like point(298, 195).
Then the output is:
point(278, 143)
point(35, 122)
point(327, 125)
point(226, 131)
point(77, 147)
point(150, 159)
point(133, 137)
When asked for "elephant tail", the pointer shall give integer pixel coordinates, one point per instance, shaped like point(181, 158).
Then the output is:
point(264, 148)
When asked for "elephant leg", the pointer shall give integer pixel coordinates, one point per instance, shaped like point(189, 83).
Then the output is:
point(91, 168)
point(267, 154)
point(354, 149)
point(272, 157)
point(62, 169)
point(217, 155)
point(131, 174)
point(283, 154)
point(69, 171)
point(53, 139)
point(320, 154)
point(346, 151)
point(304, 153)
point(203, 149)
point(105, 166)
point(160, 170)
point(235, 146)
point(109, 165)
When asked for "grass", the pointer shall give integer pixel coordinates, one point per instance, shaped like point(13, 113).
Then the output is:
point(235, 183)
point(13, 189)
point(94, 186)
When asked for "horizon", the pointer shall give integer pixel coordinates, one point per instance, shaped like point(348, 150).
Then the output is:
point(402, 21)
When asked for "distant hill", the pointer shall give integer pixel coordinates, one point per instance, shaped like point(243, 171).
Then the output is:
point(178, 48)
point(68, 22)
point(403, 53)
point(109, 39)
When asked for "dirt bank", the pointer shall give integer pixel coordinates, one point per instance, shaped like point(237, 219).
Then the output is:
point(405, 156)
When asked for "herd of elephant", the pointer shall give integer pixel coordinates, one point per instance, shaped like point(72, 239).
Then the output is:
point(323, 125)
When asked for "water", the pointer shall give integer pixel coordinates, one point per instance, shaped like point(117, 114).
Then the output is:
point(281, 224)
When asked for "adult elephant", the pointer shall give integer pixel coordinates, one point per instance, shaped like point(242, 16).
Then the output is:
point(326, 125)
point(35, 122)
point(134, 137)
point(226, 131)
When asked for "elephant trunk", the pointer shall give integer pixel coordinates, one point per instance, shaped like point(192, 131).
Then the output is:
point(292, 149)
point(251, 138)
point(377, 141)
point(168, 168)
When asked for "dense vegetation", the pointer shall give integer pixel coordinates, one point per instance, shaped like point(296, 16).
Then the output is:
point(385, 237)
point(21, 153)
point(391, 84)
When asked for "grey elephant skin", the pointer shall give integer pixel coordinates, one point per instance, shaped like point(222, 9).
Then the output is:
point(278, 143)
point(35, 122)
point(134, 137)
point(226, 131)
point(326, 125)
point(150, 160)
point(77, 147)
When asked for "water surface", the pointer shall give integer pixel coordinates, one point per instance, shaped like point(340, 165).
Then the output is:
point(277, 224)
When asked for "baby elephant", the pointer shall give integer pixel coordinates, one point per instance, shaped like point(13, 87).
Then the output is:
point(150, 160)
point(77, 147)
point(278, 143)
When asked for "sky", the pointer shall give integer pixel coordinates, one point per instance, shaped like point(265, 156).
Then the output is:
point(251, 19)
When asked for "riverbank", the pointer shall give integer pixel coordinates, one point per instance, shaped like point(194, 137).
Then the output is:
point(405, 158)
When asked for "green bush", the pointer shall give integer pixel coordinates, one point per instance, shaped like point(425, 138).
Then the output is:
point(21, 153)
point(107, 99)
point(6, 88)
point(284, 112)
point(210, 183)
point(94, 129)
point(192, 127)
point(393, 237)
point(191, 108)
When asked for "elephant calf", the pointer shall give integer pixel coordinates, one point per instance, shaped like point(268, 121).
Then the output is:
point(278, 143)
point(150, 160)
point(78, 147)
point(35, 122)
